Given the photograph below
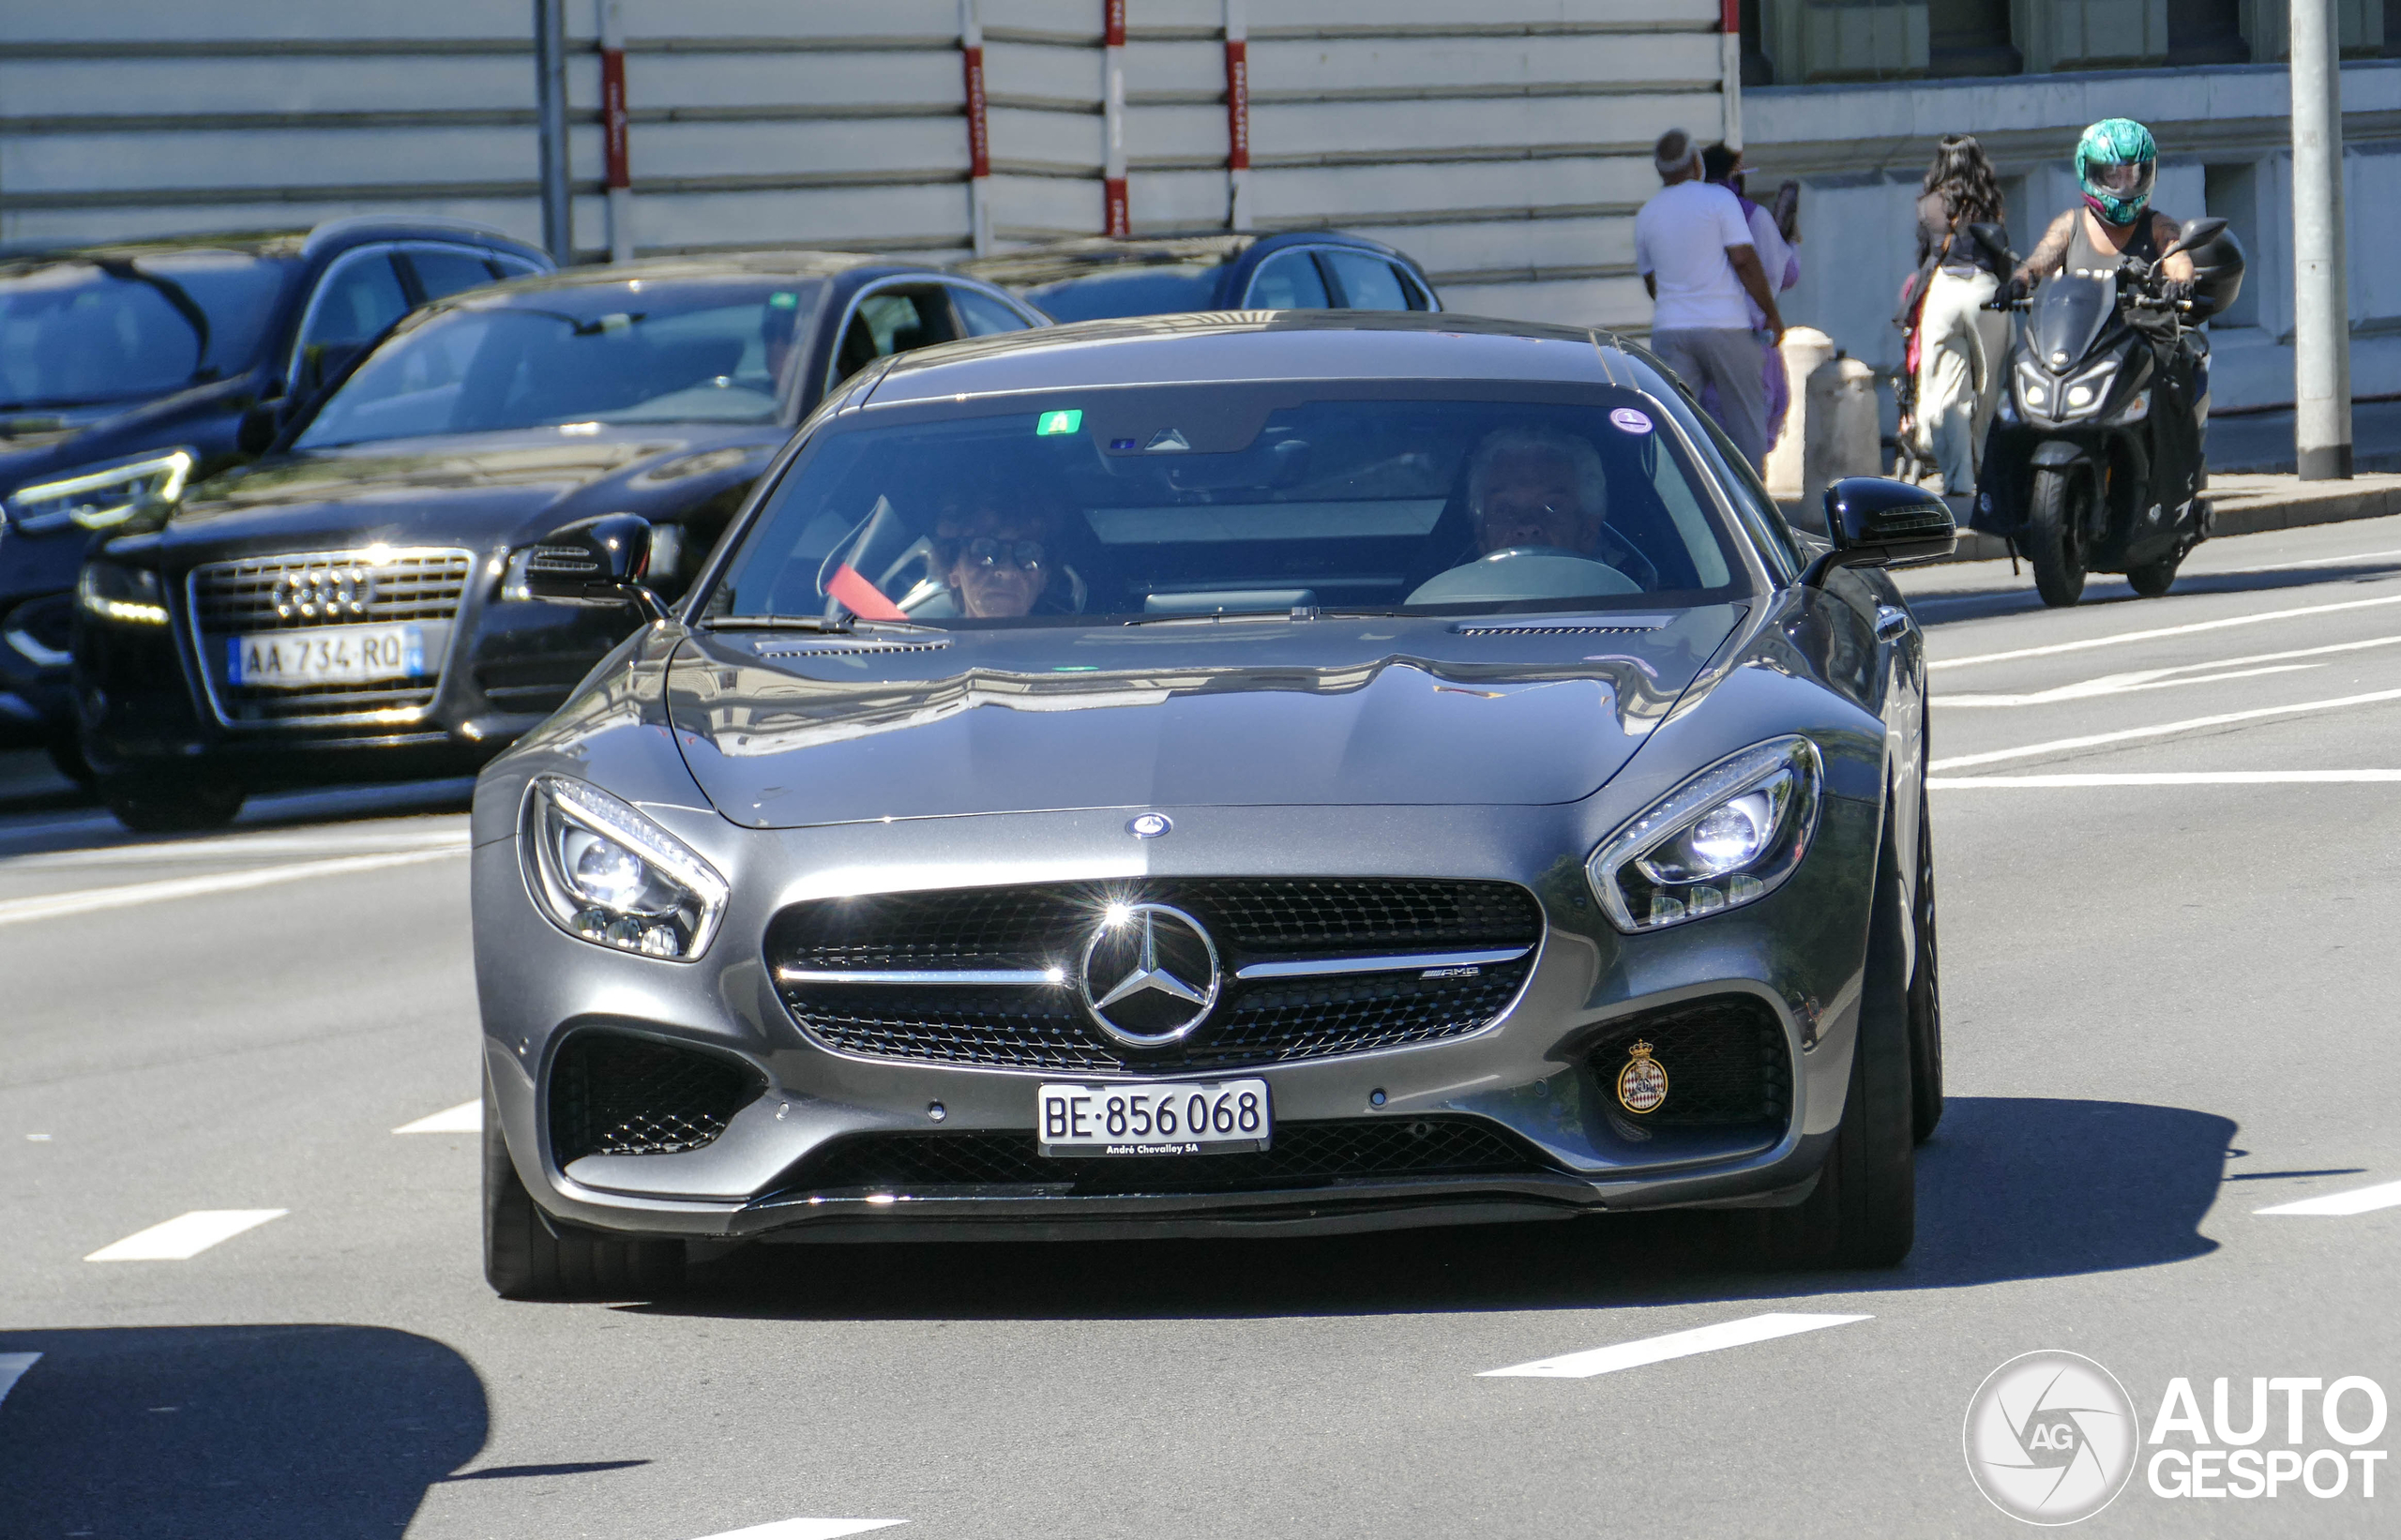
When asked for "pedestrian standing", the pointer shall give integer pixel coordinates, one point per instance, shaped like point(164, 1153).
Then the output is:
point(1722, 165)
point(1697, 260)
point(1960, 343)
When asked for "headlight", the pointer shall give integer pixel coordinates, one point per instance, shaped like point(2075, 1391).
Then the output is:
point(2032, 389)
point(103, 498)
point(2089, 390)
point(128, 595)
point(1728, 836)
point(606, 874)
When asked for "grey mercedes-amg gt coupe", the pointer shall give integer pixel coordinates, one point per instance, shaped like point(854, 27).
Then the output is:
point(1232, 775)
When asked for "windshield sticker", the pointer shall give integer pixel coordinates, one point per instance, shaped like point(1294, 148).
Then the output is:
point(783, 299)
point(1630, 421)
point(1051, 424)
point(1166, 441)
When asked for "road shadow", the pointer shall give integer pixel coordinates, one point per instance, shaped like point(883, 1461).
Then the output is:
point(263, 1432)
point(75, 828)
point(2104, 590)
point(2008, 1188)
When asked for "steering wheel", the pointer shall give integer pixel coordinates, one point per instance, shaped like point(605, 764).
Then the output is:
point(1524, 572)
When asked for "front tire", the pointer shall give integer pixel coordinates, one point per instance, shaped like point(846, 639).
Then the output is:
point(150, 802)
point(525, 1258)
point(1926, 995)
point(1864, 1209)
point(2054, 539)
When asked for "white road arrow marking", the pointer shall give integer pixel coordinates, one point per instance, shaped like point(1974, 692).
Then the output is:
point(1655, 1350)
point(2358, 1200)
point(184, 1236)
point(12, 1368)
point(2192, 724)
point(466, 1117)
point(809, 1528)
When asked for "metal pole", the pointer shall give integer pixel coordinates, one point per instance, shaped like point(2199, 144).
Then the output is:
point(619, 177)
point(1730, 72)
point(549, 102)
point(1237, 114)
point(1115, 219)
point(2321, 327)
point(979, 145)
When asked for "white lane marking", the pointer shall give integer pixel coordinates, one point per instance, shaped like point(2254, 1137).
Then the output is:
point(2119, 638)
point(466, 1117)
point(807, 1529)
point(51, 906)
point(2314, 561)
point(12, 1368)
point(2191, 724)
point(243, 846)
point(184, 1236)
point(2359, 1200)
point(1653, 1350)
point(2115, 684)
point(2169, 777)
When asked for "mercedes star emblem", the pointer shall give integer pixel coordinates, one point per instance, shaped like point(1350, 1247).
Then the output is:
point(1149, 974)
point(1149, 825)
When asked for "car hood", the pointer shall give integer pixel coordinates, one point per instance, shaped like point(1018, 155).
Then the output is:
point(791, 729)
point(477, 488)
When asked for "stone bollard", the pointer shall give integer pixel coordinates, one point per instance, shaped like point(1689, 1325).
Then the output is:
point(1804, 349)
point(1839, 435)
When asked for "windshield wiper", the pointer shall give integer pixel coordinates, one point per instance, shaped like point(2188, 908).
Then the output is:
point(842, 625)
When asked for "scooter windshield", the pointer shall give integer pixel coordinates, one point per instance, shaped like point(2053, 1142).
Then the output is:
point(2069, 312)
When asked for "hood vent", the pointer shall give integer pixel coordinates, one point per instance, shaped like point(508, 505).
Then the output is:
point(1563, 625)
point(831, 648)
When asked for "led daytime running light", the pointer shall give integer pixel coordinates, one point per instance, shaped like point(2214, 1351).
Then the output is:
point(1726, 837)
point(105, 498)
point(635, 886)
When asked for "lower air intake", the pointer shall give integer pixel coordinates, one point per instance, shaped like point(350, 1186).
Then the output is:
point(619, 1096)
point(1725, 1059)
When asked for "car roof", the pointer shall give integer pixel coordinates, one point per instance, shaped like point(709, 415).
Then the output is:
point(1260, 345)
point(792, 263)
point(1057, 262)
point(293, 242)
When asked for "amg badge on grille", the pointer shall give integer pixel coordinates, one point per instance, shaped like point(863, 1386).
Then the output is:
point(1642, 1084)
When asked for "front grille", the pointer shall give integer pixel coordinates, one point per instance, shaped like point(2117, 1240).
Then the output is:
point(619, 1096)
point(266, 594)
point(1251, 919)
point(1724, 1058)
point(1303, 1155)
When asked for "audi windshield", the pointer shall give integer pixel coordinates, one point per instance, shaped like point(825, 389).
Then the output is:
point(1148, 504)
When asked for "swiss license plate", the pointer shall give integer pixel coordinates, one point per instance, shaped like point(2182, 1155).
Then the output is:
point(1154, 1118)
point(329, 655)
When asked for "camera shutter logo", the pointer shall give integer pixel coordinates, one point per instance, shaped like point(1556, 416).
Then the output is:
point(2051, 1438)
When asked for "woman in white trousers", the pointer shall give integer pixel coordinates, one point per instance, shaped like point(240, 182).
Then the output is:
point(1960, 345)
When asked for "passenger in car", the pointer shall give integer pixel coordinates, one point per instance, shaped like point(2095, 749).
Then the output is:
point(995, 561)
point(1542, 486)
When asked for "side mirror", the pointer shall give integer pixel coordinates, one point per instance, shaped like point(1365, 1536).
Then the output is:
point(2194, 232)
point(1877, 523)
point(594, 561)
point(255, 435)
point(1992, 244)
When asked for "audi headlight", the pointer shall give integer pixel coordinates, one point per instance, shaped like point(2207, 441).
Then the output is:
point(606, 874)
point(1728, 836)
point(104, 498)
point(129, 596)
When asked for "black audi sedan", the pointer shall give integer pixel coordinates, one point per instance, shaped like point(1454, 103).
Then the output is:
point(127, 371)
point(1100, 278)
point(353, 604)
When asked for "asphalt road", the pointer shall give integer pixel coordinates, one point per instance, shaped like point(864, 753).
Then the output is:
point(2169, 1004)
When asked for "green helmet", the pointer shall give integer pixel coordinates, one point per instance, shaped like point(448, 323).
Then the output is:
point(2117, 162)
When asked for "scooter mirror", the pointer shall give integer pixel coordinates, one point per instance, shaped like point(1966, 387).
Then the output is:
point(1880, 522)
point(2194, 232)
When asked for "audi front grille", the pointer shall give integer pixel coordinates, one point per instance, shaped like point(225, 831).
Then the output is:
point(262, 594)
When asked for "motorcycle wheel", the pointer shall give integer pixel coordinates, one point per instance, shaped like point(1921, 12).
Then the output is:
point(2053, 541)
point(2153, 579)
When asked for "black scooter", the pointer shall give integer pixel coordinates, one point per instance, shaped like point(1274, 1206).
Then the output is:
point(2094, 460)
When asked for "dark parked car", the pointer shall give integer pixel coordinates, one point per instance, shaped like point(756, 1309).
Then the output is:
point(1231, 775)
point(126, 371)
point(1097, 280)
point(355, 603)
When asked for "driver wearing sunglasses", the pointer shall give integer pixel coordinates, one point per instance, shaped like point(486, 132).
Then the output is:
point(994, 562)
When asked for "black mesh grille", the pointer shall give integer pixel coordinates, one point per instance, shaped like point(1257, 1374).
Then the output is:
point(618, 1096)
point(1305, 1155)
point(1255, 1022)
point(1725, 1059)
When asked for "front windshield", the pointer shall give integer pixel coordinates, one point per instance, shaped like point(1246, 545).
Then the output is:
point(83, 332)
point(641, 352)
point(1201, 501)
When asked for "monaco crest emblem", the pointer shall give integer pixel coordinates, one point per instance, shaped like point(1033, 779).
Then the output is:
point(1642, 1084)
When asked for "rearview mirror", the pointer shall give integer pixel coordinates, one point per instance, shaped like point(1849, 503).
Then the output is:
point(1878, 522)
point(594, 561)
point(2194, 232)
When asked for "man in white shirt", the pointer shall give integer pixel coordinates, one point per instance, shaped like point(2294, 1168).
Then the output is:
point(1694, 252)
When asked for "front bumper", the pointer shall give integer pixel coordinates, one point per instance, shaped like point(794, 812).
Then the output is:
point(1798, 953)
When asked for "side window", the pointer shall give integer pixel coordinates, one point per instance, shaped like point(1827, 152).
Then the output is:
point(1367, 281)
point(446, 270)
point(515, 266)
point(1420, 298)
point(358, 296)
point(892, 321)
point(983, 316)
point(1287, 281)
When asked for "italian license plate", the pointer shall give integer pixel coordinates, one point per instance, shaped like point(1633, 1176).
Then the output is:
point(1154, 1118)
point(329, 655)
